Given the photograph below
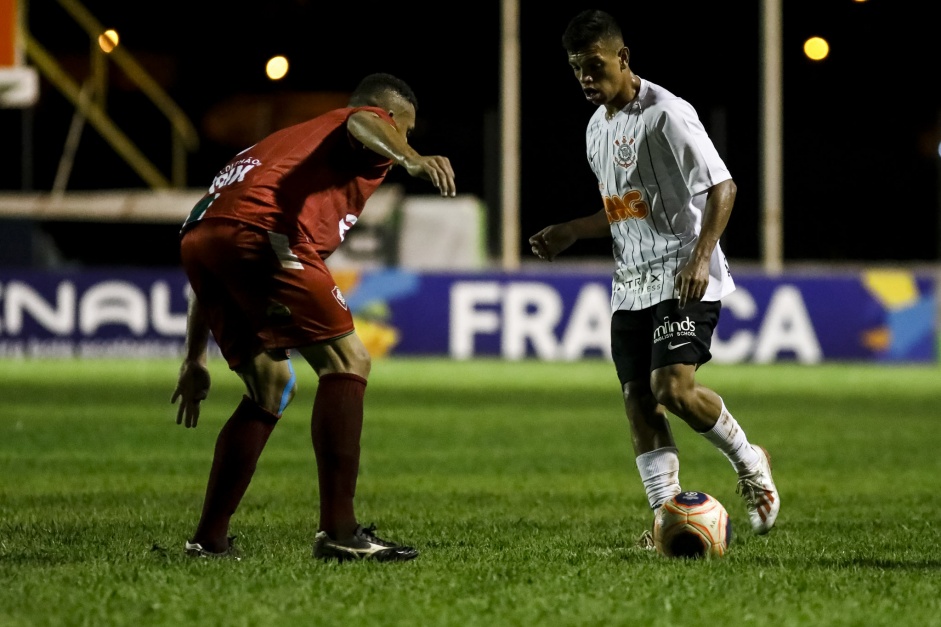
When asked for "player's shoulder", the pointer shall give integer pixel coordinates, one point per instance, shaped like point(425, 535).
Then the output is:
point(324, 120)
point(339, 116)
point(596, 121)
point(656, 97)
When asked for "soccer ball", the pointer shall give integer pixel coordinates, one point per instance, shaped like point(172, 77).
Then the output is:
point(692, 524)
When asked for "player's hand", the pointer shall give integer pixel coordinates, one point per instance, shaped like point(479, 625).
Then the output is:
point(552, 240)
point(691, 282)
point(436, 169)
point(191, 389)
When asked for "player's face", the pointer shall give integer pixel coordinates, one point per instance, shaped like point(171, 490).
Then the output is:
point(600, 70)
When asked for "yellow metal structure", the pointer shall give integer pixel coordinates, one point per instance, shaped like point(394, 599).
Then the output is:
point(90, 102)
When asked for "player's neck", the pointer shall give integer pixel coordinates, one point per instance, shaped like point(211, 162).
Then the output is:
point(626, 96)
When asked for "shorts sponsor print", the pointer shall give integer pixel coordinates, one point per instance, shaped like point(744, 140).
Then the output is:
point(645, 340)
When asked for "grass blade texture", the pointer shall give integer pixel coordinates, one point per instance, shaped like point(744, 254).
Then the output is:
point(515, 480)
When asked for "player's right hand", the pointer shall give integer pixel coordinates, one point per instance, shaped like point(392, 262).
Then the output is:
point(436, 169)
point(191, 389)
point(552, 240)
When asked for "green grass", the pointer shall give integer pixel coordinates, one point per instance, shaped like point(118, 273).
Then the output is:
point(515, 480)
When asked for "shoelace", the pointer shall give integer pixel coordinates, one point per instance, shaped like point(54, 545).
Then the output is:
point(751, 490)
point(369, 534)
point(645, 541)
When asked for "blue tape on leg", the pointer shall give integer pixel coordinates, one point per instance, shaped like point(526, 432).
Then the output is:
point(286, 394)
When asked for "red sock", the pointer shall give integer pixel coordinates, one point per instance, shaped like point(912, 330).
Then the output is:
point(335, 428)
point(240, 443)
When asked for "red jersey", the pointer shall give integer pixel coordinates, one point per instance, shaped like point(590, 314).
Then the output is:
point(309, 182)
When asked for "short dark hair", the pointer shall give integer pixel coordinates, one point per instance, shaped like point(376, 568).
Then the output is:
point(373, 86)
point(589, 27)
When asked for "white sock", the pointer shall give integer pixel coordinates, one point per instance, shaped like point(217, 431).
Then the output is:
point(660, 472)
point(729, 437)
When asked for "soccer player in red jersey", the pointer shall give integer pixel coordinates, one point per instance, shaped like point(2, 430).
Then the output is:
point(253, 249)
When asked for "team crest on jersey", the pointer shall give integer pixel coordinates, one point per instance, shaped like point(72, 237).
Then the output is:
point(337, 294)
point(625, 155)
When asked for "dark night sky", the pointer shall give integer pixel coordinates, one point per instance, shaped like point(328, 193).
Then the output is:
point(860, 129)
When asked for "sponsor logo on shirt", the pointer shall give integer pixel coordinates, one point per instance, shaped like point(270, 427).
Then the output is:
point(642, 283)
point(233, 173)
point(630, 205)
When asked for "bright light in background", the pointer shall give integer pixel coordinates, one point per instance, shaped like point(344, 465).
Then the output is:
point(277, 67)
point(108, 40)
point(816, 48)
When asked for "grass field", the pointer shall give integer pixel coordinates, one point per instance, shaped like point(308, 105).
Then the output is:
point(515, 480)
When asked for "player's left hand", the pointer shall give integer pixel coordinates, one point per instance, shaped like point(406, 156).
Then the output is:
point(691, 282)
point(552, 240)
point(436, 169)
point(191, 389)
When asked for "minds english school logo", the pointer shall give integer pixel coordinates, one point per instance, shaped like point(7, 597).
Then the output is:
point(679, 332)
point(625, 154)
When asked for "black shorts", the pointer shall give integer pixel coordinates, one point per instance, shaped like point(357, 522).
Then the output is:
point(662, 335)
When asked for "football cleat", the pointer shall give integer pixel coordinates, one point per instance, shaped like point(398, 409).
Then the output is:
point(761, 496)
point(195, 549)
point(645, 541)
point(364, 545)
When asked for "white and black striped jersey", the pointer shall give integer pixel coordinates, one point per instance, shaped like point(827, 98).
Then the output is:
point(654, 162)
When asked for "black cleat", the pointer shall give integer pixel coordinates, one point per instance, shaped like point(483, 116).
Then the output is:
point(363, 546)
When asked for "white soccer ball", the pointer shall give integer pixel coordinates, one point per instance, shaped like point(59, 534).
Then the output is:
point(692, 525)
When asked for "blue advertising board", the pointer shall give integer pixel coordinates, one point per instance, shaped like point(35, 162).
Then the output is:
point(874, 315)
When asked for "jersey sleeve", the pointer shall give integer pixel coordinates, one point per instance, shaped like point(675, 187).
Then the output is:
point(593, 150)
point(693, 150)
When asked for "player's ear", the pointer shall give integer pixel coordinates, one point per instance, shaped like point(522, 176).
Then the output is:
point(625, 56)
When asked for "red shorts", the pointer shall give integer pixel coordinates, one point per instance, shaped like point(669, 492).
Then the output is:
point(259, 291)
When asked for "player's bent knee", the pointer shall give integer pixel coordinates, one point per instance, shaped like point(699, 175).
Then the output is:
point(274, 400)
point(271, 385)
point(670, 391)
point(284, 389)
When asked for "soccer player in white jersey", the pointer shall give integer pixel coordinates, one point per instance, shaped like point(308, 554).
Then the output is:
point(667, 196)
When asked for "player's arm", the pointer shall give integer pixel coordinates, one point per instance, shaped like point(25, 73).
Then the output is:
point(692, 281)
point(378, 135)
point(553, 239)
point(193, 384)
